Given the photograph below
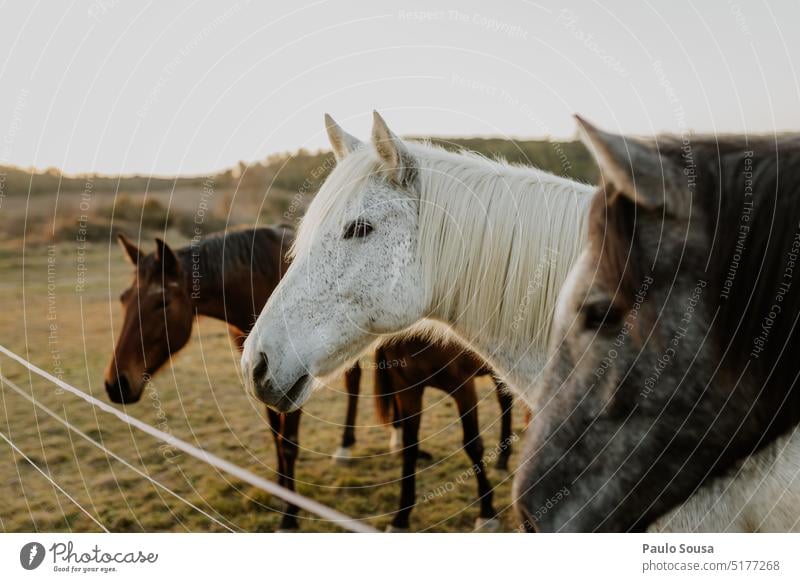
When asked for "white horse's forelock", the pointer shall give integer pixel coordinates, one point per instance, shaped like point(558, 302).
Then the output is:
point(495, 240)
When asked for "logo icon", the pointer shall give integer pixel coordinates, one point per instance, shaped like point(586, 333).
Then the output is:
point(31, 555)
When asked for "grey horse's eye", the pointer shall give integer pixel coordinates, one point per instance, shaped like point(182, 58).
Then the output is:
point(602, 314)
point(358, 228)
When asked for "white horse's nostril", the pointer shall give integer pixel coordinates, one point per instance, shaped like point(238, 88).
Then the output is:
point(260, 369)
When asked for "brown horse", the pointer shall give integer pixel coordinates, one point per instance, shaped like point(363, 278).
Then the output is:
point(402, 371)
point(228, 277)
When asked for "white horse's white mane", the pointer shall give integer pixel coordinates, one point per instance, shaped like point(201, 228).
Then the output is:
point(495, 240)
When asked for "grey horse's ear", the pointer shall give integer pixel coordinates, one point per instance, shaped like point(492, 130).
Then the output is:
point(636, 170)
point(398, 161)
point(132, 252)
point(342, 143)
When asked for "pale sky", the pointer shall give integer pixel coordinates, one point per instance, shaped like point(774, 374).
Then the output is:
point(174, 87)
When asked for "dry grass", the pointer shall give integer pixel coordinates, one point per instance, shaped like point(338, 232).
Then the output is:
point(201, 400)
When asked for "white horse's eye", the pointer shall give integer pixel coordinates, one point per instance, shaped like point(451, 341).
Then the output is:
point(358, 228)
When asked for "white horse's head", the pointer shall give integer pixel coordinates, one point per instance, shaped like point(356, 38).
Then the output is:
point(355, 273)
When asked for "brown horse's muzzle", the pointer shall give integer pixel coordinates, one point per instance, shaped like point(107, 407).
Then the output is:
point(120, 391)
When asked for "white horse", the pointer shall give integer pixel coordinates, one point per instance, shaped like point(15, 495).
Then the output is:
point(402, 233)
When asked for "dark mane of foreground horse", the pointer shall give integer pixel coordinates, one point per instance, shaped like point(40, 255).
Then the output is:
point(750, 194)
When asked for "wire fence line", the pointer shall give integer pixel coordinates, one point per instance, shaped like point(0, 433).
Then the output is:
point(51, 480)
point(5, 381)
point(329, 514)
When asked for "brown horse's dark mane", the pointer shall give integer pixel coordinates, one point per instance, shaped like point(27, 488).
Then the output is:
point(212, 258)
point(245, 249)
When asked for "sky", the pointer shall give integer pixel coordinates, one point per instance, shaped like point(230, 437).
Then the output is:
point(165, 88)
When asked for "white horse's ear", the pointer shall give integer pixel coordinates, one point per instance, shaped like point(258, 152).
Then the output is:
point(636, 170)
point(393, 152)
point(342, 143)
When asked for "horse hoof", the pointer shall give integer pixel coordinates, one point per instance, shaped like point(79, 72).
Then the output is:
point(394, 529)
point(487, 524)
point(342, 456)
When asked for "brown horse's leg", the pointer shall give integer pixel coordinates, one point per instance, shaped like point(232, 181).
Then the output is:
point(290, 433)
point(506, 402)
point(352, 381)
point(423, 455)
point(410, 410)
point(276, 428)
point(467, 400)
point(284, 429)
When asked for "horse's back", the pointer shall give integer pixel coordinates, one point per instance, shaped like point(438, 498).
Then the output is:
point(447, 366)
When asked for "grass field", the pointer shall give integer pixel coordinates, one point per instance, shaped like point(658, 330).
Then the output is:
point(48, 319)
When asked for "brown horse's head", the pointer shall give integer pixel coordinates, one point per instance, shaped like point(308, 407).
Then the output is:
point(158, 317)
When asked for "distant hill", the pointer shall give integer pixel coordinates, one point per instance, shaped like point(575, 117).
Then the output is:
point(305, 171)
point(301, 171)
point(16, 181)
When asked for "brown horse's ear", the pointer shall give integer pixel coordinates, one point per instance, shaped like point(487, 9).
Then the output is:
point(636, 170)
point(167, 258)
point(131, 250)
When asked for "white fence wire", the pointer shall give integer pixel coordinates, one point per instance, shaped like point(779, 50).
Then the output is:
point(340, 519)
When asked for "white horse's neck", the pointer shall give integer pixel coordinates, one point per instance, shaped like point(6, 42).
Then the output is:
point(496, 243)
